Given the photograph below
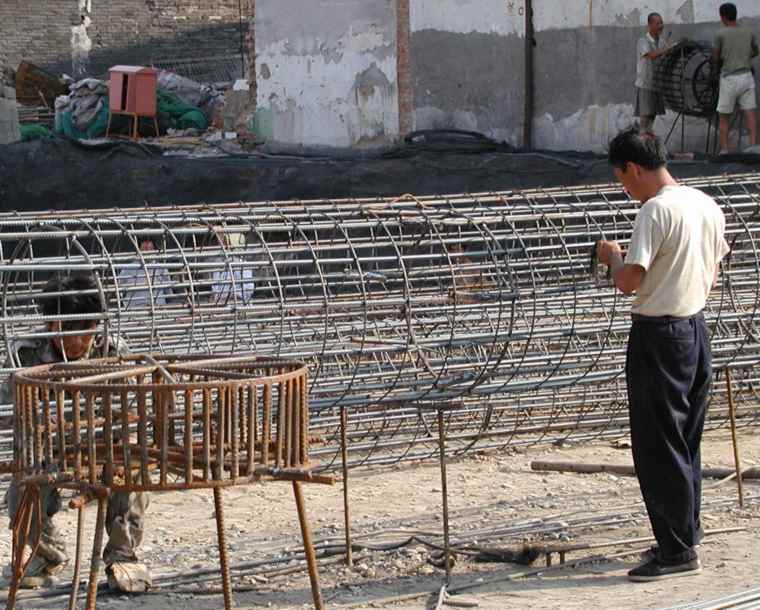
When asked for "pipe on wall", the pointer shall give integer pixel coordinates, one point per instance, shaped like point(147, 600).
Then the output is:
point(529, 76)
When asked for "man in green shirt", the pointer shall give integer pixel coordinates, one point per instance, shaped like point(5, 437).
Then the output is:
point(735, 46)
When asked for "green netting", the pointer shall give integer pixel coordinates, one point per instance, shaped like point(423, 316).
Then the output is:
point(34, 131)
point(181, 115)
point(95, 129)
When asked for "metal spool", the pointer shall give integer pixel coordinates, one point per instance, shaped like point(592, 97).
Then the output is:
point(483, 301)
point(141, 424)
point(685, 79)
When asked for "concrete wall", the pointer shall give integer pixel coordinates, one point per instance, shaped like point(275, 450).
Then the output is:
point(88, 36)
point(326, 72)
point(586, 66)
point(359, 73)
point(9, 125)
point(467, 65)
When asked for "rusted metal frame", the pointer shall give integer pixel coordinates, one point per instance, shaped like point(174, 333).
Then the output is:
point(221, 412)
point(251, 436)
point(189, 465)
point(266, 432)
point(308, 547)
point(29, 509)
point(287, 432)
point(142, 434)
point(96, 559)
point(222, 543)
point(91, 455)
point(125, 434)
point(37, 429)
point(77, 560)
point(47, 443)
point(60, 431)
point(76, 433)
point(207, 434)
point(27, 448)
point(304, 442)
point(279, 462)
point(108, 466)
point(233, 405)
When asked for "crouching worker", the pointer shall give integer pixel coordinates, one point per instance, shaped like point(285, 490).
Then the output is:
point(77, 295)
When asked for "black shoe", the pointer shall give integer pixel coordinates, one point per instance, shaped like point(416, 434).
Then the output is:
point(651, 552)
point(654, 570)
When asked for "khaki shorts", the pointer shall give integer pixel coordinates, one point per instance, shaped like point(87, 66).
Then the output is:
point(737, 88)
point(648, 103)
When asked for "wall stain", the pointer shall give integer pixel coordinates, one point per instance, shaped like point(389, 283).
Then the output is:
point(686, 12)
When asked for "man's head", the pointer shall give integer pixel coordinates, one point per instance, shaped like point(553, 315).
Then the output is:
point(727, 12)
point(654, 24)
point(639, 162)
point(72, 295)
point(147, 245)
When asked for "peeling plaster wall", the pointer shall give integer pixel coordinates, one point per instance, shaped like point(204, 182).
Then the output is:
point(467, 65)
point(585, 66)
point(326, 72)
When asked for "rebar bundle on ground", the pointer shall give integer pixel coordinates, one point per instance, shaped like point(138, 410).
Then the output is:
point(482, 302)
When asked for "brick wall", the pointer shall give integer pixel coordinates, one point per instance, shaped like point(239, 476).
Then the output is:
point(120, 31)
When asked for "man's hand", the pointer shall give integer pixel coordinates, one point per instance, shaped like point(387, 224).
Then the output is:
point(626, 277)
point(608, 251)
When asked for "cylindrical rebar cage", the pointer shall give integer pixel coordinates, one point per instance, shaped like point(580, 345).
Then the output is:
point(484, 301)
point(142, 423)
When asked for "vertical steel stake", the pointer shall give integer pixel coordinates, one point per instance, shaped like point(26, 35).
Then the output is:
point(445, 495)
point(96, 560)
point(308, 547)
point(734, 439)
point(222, 542)
point(346, 506)
point(77, 560)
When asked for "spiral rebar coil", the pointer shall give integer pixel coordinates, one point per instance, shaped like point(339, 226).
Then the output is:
point(481, 303)
point(686, 79)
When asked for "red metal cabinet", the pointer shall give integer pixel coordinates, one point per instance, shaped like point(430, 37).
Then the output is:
point(132, 91)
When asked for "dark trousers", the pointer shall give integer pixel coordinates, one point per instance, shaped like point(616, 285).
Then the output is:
point(669, 373)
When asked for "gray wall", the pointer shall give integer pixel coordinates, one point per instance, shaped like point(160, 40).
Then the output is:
point(585, 72)
point(56, 34)
point(326, 72)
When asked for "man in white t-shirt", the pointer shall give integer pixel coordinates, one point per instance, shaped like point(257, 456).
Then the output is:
point(649, 102)
point(671, 264)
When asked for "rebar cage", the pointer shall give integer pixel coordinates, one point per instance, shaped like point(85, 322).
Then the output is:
point(142, 423)
point(483, 301)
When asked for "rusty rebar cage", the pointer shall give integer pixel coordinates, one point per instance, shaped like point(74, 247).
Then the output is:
point(155, 424)
point(143, 423)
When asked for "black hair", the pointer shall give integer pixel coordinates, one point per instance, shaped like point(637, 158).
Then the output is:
point(727, 10)
point(631, 146)
point(71, 294)
point(651, 16)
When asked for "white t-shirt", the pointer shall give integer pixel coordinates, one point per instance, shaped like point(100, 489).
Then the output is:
point(678, 240)
point(644, 65)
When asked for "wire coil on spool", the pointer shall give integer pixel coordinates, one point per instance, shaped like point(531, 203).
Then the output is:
point(685, 79)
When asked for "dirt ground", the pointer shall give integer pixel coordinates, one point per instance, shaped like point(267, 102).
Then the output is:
point(495, 500)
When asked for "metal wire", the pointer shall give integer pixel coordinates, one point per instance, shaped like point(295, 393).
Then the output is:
point(479, 302)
